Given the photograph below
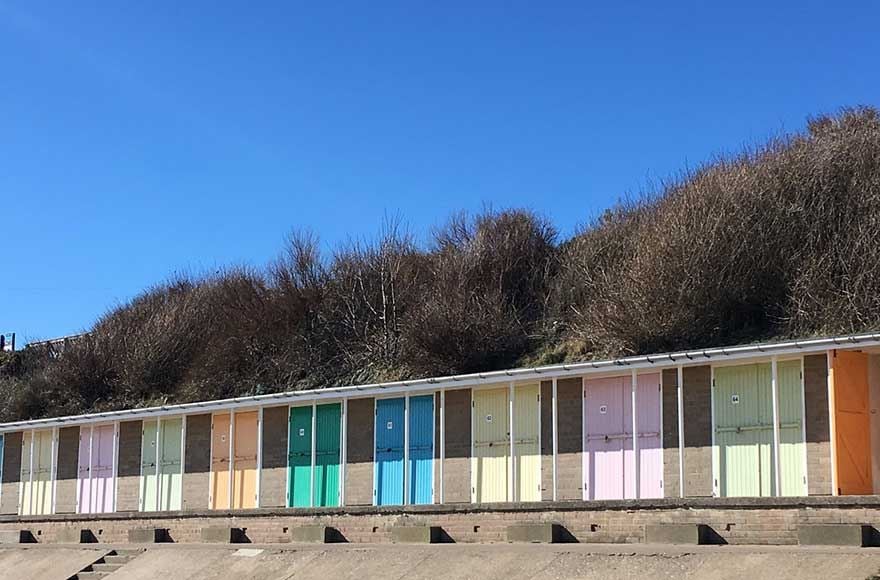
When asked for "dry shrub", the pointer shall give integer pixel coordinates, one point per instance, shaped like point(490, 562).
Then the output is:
point(779, 241)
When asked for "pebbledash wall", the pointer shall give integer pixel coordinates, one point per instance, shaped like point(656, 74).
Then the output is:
point(756, 420)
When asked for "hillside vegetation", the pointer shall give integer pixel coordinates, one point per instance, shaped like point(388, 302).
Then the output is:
point(779, 241)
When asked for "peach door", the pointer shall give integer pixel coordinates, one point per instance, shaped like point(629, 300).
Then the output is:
point(849, 376)
point(244, 478)
point(220, 462)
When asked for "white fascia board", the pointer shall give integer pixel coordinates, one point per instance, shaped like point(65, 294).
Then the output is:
point(653, 361)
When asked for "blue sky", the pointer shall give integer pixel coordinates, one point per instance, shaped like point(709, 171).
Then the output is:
point(140, 139)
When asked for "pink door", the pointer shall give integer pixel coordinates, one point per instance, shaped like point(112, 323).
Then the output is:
point(650, 442)
point(82, 474)
point(102, 469)
point(604, 438)
point(609, 462)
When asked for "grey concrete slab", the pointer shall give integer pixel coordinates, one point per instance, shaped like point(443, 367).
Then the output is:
point(835, 535)
point(416, 534)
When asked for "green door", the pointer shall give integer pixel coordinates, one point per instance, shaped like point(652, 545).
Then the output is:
point(299, 457)
point(327, 446)
point(792, 449)
point(148, 483)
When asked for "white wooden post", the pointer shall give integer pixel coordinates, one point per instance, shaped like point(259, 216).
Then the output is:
point(555, 437)
point(832, 420)
point(312, 478)
point(442, 440)
point(406, 449)
point(511, 464)
point(635, 434)
point(680, 398)
point(774, 387)
point(343, 453)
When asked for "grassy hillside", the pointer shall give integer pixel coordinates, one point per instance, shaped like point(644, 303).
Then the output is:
point(779, 241)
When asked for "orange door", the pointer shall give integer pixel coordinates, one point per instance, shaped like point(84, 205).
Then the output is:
point(220, 462)
point(244, 477)
point(849, 380)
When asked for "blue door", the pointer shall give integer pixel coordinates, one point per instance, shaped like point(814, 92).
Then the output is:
point(421, 449)
point(389, 451)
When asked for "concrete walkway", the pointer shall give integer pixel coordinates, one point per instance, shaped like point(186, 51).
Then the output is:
point(478, 562)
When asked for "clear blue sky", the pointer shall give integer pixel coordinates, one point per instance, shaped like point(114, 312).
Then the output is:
point(142, 138)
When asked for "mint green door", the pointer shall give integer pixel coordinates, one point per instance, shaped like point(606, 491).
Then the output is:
point(149, 456)
point(170, 468)
point(327, 447)
point(299, 457)
point(742, 456)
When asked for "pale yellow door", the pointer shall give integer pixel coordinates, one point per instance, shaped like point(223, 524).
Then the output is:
point(491, 441)
point(526, 434)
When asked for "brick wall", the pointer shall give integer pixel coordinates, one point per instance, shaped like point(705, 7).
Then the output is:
point(197, 462)
point(697, 399)
point(457, 465)
point(817, 425)
point(129, 469)
point(570, 424)
point(735, 521)
point(359, 452)
point(11, 473)
point(670, 433)
point(273, 482)
point(68, 468)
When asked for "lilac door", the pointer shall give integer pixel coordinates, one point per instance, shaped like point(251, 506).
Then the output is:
point(83, 488)
point(102, 469)
point(95, 484)
point(604, 438)
point(609, 462)
point(650, 443)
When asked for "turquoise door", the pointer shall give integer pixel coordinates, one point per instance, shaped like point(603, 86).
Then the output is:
point(327, 446)
point(299, 457)
point(421, 449)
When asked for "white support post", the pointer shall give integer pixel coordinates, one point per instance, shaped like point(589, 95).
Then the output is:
point(343, 453)
point(635, 435)
point(312, 471)
point(511, 464)
point(158, 462)
point(259, 456)
point(680, 413)
point(91, 508)
point(53, 470)
point(406, 449)
point(774, 387)
point(115, 463)
point(229, 492)
point(555, 437)
point(182, 455)
point(442, 441)
point(832, 420)
point(31, 475)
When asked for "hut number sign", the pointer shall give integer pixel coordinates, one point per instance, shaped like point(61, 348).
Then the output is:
point(389, 425)
point(734, 399)
point(488, 418)
point(603, 409)
point(302, 432)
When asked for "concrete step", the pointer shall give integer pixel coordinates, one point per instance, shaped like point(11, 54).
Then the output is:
point(90, 575)
point(119, 558)
point(106, 567)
